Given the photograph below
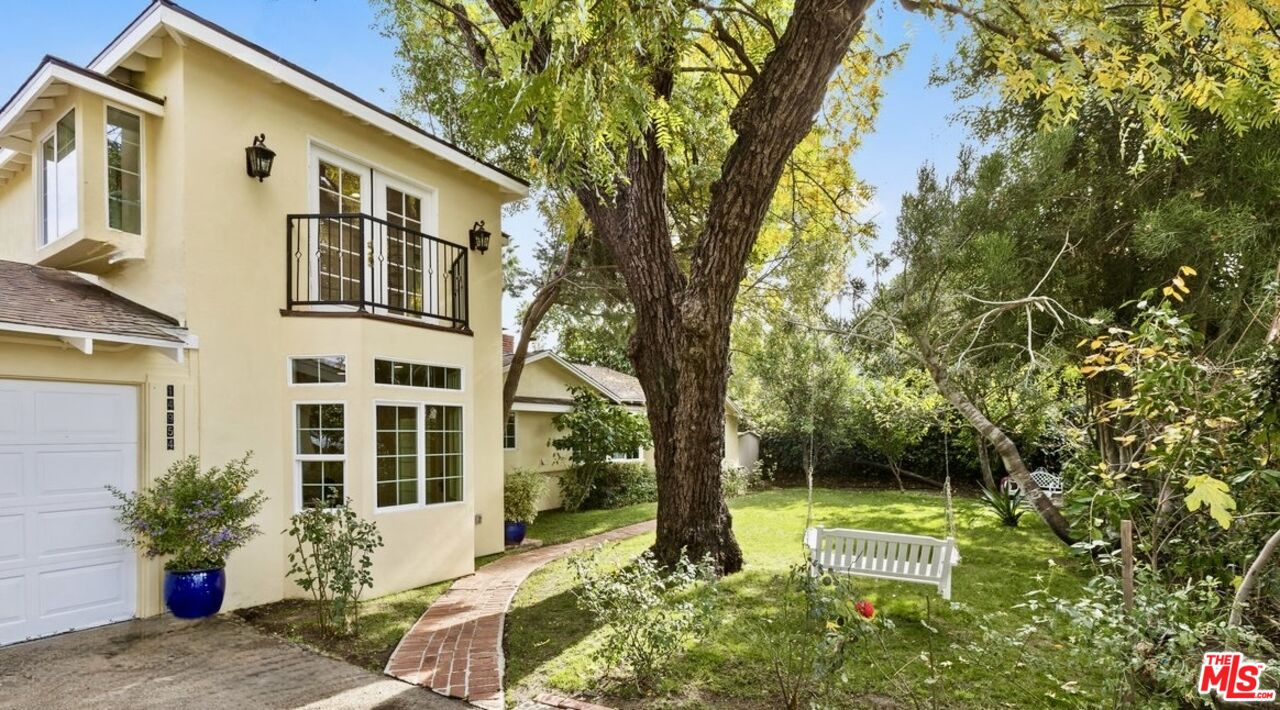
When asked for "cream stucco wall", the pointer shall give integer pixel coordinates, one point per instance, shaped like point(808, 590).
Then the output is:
point(215, 259)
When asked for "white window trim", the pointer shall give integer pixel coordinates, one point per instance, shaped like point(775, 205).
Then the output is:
point(373, 374)
point(299, 458)
point(320, 149)
point(288, 371)
point(422, 455)
point(142, 169)
point(638, 459)
point(39, 172)
point(515, 432)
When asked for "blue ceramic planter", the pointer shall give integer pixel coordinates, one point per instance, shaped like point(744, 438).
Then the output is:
point(194, 595)
point(515, 533)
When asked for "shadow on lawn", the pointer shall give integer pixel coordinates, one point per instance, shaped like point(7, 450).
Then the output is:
point(543, 631)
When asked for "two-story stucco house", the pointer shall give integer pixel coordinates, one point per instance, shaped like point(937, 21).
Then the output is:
point(545, 390)
point(157, 301)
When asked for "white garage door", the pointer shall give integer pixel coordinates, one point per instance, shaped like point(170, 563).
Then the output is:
point(61, 564)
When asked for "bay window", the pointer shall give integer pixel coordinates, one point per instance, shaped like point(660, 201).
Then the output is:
point(418, 452)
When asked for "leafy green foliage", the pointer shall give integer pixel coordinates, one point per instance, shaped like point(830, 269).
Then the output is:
point(1006, 503)
point(194, 518)
point(1149, 656)
point(593, 430)
point(892, 414)
point(520, 492)
point(652, 614)
point(332, 558)
point(740, 480)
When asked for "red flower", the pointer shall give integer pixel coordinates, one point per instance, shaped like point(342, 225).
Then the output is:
point(864, 607)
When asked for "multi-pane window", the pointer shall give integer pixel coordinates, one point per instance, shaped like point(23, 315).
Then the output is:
point(318, 370)
point(338, 263)
point(59, 177)
point(443, 426)
point(404, 250)
point(124, 171)
point(320, 452)
point(633, 455)
point(396, 440)
point(408, 374)
point(509, 432)
point(418, 454)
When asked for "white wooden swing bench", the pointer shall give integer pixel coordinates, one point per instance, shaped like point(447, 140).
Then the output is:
point(865, 553)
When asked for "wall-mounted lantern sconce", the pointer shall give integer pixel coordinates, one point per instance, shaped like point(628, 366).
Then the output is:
point(479, 237)
point(258, 158)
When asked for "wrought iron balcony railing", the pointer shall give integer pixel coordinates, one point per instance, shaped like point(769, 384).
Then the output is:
point(360, 263)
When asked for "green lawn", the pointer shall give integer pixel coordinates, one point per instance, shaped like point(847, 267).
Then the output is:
point(549, 641)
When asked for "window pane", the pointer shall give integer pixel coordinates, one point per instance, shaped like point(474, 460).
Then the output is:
point(392, 372)
point(66, 178)
point(382, 372)
point(319, 370)
point(453, 489)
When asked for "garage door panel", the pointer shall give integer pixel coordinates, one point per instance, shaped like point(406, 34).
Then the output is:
point(62, 566)
point(15, 412)
point(70, 532)
point(81, 588)
point(83, 414)
point(13, 541)
point(13, 602)
point(11, 476)
point(66, 471)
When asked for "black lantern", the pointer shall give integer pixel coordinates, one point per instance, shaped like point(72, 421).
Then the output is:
point(479, 237)
point(258, 158)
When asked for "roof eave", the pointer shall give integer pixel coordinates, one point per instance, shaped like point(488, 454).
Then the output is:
point(162, 15)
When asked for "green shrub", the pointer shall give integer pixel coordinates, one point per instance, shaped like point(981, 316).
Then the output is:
point(739, 480)
point(608, 485)
point(520, 495)
point(194, 518)
point(333, 559)
point(650, 615)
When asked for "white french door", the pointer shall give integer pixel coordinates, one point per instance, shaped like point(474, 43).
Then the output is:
point(338, 265)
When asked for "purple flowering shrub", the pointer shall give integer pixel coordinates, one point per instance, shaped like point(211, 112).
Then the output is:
point(194, 518)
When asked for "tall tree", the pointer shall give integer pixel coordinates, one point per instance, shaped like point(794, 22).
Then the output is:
point(621, 103)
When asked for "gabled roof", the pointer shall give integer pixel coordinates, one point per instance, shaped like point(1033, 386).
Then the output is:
point(162, 17)
point(616, 386)
point(43, 301)
point(49, 80)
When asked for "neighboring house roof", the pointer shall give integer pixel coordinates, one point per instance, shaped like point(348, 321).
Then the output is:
point(617, 386)
point(44, 301)
point(162, 18)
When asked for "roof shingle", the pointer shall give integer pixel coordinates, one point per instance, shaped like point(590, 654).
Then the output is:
point(51, 298)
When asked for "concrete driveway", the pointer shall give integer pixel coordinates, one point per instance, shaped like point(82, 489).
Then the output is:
point(219, 663)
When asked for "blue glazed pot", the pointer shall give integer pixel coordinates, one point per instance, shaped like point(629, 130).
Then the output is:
point(515, 533)
point(194, 595)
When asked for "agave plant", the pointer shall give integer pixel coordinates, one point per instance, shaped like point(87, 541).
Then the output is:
point(1006, 502)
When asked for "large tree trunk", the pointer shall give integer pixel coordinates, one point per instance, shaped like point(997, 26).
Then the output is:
point(1004, 446)
point(542, 302)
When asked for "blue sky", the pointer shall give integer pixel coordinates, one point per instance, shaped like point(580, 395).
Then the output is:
point(337, 40)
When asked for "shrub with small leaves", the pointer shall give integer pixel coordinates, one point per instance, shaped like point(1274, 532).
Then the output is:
point(333, 560)
point(520, 492)
point(651, 615)
point(194, 518)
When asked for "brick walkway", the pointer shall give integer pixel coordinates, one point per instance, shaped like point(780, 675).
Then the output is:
point(455, 648)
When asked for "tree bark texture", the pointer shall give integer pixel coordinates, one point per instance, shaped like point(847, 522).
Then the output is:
point(984, 460)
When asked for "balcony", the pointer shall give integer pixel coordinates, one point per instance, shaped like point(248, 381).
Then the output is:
point(357, 264)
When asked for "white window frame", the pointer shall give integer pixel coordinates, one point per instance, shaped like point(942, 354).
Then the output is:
point(421, 405)
point(373, 374)
point(288, 370)
point(43, 239)
point(514, 423)
point(142, 168)
point(639, 457)
point(298, 458)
